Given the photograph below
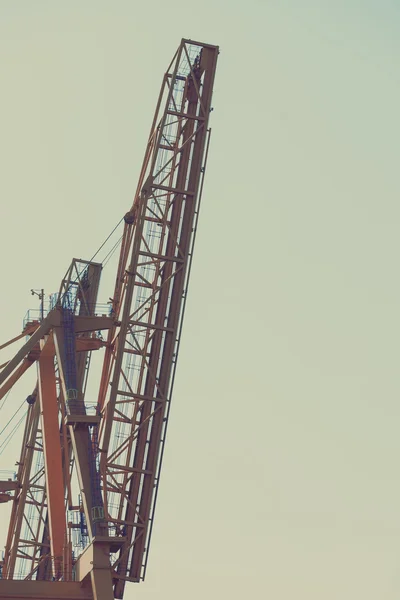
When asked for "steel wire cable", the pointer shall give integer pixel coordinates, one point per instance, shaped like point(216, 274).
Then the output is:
point(4, 399)
point(111, 252)
point(12, 418)
point(106, 240)
point(4, 444)
point(79, 275)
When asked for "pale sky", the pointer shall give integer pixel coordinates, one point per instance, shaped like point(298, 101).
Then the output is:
point(281, 472)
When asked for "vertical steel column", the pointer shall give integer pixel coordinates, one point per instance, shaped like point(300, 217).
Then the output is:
point(53, 458)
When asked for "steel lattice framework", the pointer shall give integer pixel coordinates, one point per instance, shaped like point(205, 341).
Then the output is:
point(84, 497)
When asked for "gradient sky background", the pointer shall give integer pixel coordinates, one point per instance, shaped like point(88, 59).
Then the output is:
point(281, 477)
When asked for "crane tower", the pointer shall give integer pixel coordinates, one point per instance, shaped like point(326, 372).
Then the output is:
point(84, 494)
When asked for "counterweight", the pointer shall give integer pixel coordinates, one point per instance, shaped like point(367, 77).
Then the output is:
point(94, 470)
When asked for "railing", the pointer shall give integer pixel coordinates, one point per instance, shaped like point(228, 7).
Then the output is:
point(37, 314)
point(32, 315)
point(52, 565)
point(8, 475)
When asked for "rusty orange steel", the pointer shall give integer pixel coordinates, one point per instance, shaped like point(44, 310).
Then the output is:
point(96, 472)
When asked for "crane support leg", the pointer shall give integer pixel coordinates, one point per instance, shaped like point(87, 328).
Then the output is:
point(52, 458)
point(100, 575)
point(95, 563)
point(24, 475)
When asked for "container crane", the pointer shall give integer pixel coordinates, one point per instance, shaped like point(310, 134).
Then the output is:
point(84, 495)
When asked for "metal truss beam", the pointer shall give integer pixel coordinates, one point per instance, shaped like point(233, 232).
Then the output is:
point(148, 303)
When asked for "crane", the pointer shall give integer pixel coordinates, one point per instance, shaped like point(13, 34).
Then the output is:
point(84, 494)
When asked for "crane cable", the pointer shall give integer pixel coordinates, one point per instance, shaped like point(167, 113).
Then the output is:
point(4, 445)
point(9, 437)
point(12, 418)
point(106, 240)
point(4, 399)
point(111, 252)
point(102, 245)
